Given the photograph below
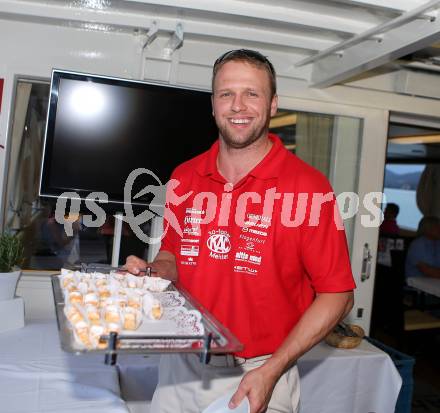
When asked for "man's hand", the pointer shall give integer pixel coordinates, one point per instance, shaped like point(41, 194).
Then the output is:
point(164, 265)
point(135, 264)
point(318, 320)
point(257, 385)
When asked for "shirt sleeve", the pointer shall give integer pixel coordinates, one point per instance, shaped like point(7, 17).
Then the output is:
point(324, 249)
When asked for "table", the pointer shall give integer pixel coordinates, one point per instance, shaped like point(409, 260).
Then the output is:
point(426, 284)
point(360, 380)
point(36, 376)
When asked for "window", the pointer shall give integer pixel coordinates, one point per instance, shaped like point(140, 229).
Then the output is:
point(329, 143)
point(400, 187)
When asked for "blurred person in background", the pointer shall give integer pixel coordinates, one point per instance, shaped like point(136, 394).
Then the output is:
point(423, 257)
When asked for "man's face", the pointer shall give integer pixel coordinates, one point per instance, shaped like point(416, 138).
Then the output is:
point(389, 214)
point(242, 103)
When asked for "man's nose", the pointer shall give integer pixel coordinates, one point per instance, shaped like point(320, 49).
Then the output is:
point(238, 104)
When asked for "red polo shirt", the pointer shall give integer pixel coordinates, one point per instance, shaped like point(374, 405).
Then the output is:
point(256, 254)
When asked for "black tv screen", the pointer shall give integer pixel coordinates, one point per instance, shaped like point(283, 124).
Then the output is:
point(99, 129)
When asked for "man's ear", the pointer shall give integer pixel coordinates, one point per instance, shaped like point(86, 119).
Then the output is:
point(274, 105)
point(212, 104)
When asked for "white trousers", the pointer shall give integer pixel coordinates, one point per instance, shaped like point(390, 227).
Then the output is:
point(188, 386)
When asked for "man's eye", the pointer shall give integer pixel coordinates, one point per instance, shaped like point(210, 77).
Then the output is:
point(225, 94)
point(252, 94)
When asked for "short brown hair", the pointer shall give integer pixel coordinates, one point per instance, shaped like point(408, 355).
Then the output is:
point(249, 56)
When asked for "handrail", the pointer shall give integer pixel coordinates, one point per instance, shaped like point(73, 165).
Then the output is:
point(372, 33)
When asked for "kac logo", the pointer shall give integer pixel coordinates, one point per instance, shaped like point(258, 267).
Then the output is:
point(219, 243)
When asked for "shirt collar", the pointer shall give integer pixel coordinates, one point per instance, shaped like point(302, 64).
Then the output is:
point(268, 168)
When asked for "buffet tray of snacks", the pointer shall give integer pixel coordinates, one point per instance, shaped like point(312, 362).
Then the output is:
point(113, 312)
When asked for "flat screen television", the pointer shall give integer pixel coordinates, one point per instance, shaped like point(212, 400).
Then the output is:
point(99, 129)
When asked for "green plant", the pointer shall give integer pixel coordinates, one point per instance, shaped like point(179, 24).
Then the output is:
point(11, 252)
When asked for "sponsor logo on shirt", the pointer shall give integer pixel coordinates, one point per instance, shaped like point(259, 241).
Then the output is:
point(189, 250)
point(256, 224)
point(193, 211)
point(244, 256)
point(192, 220)
point(189, 262)
point(219, 244)
point(263, 218)
point(240, 255)
point(254, 231)
point(252, 239)
point(244, 269)
point(192, 231)
point(191, 240)
point(255, 259)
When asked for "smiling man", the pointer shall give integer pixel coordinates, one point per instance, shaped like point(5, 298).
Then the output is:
point(280, 289)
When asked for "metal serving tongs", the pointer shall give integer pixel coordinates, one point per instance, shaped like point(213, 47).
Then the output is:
point(107, 268)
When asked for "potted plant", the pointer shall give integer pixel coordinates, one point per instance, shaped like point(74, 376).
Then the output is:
point(11, 258)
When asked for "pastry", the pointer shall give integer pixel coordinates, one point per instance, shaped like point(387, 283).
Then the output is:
point(134, 301)
point(93, 315)
point(82, 331)
point(130, 319)
point(103, 293)
point(91, 298)
point(95, 334)
point(73, 315)
point(156, 310)
point(76, 297)
point(113, 327)
point(112, 314)
point(122, 301)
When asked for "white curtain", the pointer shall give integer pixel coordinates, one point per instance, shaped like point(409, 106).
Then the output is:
point(314, 140)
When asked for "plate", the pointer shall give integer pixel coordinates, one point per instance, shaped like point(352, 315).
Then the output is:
point(175, 321)
point(182, 316)
point(221, 405)
point(170, 299)
point(156, 284)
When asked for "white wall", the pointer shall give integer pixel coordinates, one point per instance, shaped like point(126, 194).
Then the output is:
point(36, 291)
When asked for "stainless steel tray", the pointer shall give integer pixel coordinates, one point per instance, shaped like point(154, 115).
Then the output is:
point(216, 337)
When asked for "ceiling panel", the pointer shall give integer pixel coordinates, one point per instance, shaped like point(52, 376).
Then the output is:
point(334, 39)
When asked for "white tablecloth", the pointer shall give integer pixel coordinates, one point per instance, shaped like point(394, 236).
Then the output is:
point(36, 376)
point(360, 380)
point(426, 284)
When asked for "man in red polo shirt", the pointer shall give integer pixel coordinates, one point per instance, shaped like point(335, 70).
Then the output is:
point(260, 246)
